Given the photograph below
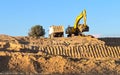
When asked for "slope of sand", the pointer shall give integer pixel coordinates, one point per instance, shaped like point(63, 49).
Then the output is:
point(29, 63)
point(13, 60)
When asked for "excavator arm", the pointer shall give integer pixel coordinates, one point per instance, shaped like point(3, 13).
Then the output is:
point(78, 18)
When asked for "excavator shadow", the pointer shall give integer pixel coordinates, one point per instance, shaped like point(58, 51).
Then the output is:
point(22, 50)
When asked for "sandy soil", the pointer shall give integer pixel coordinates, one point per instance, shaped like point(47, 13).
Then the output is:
point(29, 63)
point(15, 61)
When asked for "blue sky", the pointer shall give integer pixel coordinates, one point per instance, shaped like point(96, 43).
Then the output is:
point(18, 16)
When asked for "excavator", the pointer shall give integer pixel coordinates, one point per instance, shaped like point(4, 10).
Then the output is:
point(78, 29)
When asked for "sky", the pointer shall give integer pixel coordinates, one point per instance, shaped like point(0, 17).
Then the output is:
point(18, 16)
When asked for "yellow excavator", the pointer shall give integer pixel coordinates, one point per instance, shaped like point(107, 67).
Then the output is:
point(78, 29)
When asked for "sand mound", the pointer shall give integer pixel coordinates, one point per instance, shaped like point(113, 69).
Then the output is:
point(25, 55)
point(34, 64)
point(21, 63)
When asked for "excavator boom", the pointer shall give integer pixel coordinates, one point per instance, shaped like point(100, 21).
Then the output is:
point(79, 17)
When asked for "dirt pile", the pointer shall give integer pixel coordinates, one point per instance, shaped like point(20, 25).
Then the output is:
point(26, 55)
point(9, 43)
point(21, 63)
point(34, 64)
